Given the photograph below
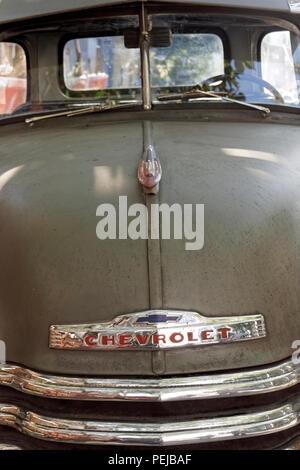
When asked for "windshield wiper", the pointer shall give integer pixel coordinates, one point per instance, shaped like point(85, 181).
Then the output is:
point(96, 108)
point(188, 95)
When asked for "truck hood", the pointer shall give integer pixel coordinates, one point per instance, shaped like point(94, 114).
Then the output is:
point(54, 270)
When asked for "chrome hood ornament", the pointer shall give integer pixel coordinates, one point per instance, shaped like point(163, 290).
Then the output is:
point(157, 329)
point(149, 169)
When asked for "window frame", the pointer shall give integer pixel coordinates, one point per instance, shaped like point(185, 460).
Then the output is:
point(207, 30)
point(84, 93)
point(258, 52)
point(22, 43)
point(89, 94)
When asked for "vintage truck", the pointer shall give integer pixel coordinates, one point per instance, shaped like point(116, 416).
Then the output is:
point(150, 224)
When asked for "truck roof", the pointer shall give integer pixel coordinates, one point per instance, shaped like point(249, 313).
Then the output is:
point(11, 10)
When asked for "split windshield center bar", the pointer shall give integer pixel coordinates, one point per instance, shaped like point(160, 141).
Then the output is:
point(145, 61)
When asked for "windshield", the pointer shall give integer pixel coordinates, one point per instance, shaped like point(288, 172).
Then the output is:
point(254, 61)
point(249, 59)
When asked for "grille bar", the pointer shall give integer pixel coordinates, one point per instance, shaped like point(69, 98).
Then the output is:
point(245, 383)
point(80, 431)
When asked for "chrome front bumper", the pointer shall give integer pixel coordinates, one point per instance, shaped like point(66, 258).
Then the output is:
point(157, 431)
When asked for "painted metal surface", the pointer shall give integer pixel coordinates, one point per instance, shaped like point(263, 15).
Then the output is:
point(11, 10)
point(246, 175)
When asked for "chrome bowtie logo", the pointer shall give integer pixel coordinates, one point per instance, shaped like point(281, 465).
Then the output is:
point(157, 329)
point(157, 318)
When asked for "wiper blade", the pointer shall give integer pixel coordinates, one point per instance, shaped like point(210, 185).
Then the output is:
point(223, 97)
point(96, 108)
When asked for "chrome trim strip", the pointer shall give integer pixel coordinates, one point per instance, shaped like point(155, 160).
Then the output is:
point(158, 433)
point(249, 382)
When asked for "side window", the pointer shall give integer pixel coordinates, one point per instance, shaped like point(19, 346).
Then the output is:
point(13, 77)
point(277, 64)
point(100, 63)
point(191, 59)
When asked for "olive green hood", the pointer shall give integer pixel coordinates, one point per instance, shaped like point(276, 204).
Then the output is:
point(54, 269)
